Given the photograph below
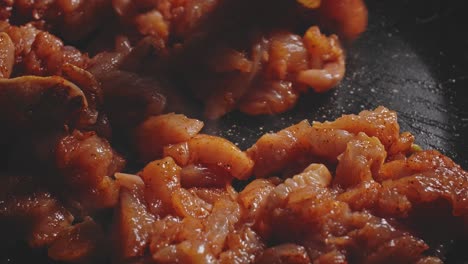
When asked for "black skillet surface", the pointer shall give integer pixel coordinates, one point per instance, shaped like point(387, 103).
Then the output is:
point(412, 59)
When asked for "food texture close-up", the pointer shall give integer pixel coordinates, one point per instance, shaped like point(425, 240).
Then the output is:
point(233, 131)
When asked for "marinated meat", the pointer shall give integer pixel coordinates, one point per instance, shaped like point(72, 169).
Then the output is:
point(159, 131)
point(72, 19)
point(210, 150)
point(40, 53)
point(7, 55)
point(80, 243)
point(268, 75)
point(35, 102)
point(362, 205)
point(37, 217)
point(87, 163)
point(353, 190)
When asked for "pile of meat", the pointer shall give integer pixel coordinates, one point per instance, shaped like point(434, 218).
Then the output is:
point(352, 190)
point(255, 56)
point(98, 165)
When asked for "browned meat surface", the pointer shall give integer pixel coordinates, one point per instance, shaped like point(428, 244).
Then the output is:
point(80, 243)
point(38, 217)
point(72, 19)
point(159, 131)
point(215, 151)
point(87, 163)
point(40, 53)
point(32, 101)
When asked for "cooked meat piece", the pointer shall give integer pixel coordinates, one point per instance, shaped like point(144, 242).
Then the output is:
point(73, 20)
point(195, 240)
point(90, 87)
point(430, 176)
point(327, 61)
point(7, 55)
point(215, 151)
point(40, 53)
point(36, 217)
point(204, 176)
point(253, 201)
point(87, 163)
point(187, 204)
point(80, 243)
point(243, 247)
point(326, 140)
point(286, 253)
point(362, 158)
point(162, 179)
point(130, 99)
point(381, 123)
point(165, 20)
point(273, 152)
point(266, 75)
point(40, 102)
point(159, 131)
point(132, 226)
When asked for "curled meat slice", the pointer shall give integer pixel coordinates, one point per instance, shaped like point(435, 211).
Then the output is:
point(253, 200)
point(40, 101)
point(133, 225)
point(162, 179)
point(82, 243)
point(90, 87)
point(40, 53)
point(330, 230)
point(361, 160)
point(7, 55)
point(242, 247)
point(195, 240)
point(211, 150)
point(178, 241)
point(328, 143)
point(129, 98)
point(159, 131)
point(285, 253)
point(220, 223)
point(327, 61)
point(87, 164)
point(381, 123)
point(129, 181)
point(296, 146)
point(187, 204)
point(273, 152)
point(204, 176)
point(428, 176)
point(275, 89)
point(269, 98)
